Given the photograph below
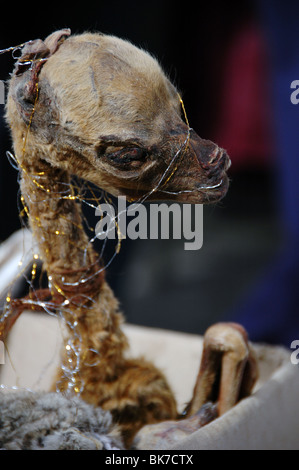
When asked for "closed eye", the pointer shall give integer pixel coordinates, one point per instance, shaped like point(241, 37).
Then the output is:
point(126, 155)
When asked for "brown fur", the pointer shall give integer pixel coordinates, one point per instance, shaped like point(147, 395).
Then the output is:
point(84, 99)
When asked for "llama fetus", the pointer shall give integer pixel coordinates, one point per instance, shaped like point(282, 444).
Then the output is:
point(97, 107)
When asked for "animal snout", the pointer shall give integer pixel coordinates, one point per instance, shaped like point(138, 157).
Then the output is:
point(211, 158)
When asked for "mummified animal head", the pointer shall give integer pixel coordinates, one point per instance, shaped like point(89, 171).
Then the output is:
point(103, 109)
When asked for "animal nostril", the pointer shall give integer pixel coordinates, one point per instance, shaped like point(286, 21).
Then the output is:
point(215, 162)
point(209, 155)
point(215, 156)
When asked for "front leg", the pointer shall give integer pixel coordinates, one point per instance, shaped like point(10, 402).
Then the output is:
point(228, 369)
point(227, 373)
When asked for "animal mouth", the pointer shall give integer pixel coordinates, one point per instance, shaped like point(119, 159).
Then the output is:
point(206, 186)
point(211, 193)
point(217, 180)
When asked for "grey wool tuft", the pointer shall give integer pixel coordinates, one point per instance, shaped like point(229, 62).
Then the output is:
point(50, 421)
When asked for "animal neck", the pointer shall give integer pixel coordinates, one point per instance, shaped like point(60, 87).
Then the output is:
point(76, 277)
point(56, 222)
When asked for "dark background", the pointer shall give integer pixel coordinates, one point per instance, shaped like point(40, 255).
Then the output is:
point(233, 63)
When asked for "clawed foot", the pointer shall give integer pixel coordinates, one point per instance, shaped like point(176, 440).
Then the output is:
point(228, 369)
point(228, 372)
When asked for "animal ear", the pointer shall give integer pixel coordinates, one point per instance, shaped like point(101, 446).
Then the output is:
point(36, 52)
point(55, 39)
point(34, 55)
